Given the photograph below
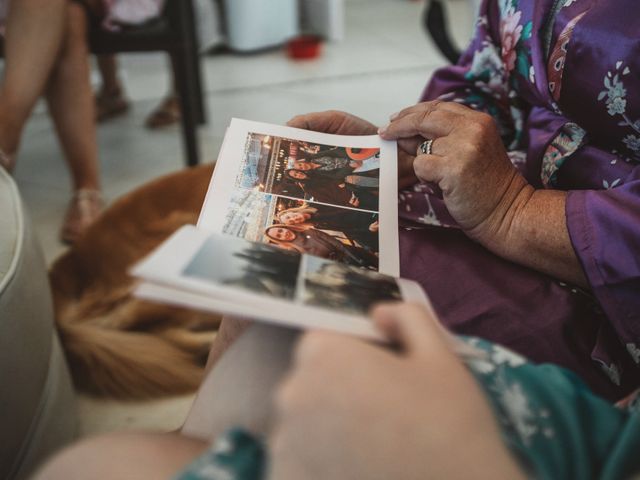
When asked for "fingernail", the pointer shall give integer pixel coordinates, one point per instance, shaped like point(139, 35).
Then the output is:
point(393, 116)
point(383, 130)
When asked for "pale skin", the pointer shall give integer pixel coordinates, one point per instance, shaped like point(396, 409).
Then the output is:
point(362, 412)
point(366, 412)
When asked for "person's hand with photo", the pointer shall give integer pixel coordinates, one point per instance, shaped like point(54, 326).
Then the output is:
point(483, 191)
point(367, 412)
point(342, 123)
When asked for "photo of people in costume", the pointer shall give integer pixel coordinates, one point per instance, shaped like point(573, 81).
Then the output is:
point(342, 287)
point(346, 235)
point(340, 176)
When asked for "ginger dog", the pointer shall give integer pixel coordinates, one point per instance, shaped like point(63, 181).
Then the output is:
point(117, 345)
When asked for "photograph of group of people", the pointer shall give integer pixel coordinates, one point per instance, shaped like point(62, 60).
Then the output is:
point(348, 177)
point(317, 199)
point(345, 288)
point(261, 268)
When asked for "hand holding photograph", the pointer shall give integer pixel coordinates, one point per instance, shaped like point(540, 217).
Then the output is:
point(298, 228)
point(326, 195)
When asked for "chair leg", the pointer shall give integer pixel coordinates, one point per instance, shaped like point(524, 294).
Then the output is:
point(191, 50)
point(189, 117)
point(435, 22)
point(200, 94)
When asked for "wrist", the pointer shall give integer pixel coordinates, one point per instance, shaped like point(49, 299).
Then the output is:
point(496, 232)
point(533, 232)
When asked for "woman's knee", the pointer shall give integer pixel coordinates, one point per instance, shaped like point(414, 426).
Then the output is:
point(123, 455)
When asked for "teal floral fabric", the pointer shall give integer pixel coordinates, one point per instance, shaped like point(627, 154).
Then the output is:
point(555, 426)
point(237, 455)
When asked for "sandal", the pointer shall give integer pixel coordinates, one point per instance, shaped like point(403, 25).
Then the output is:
point(85, 207)
point(8, 162)
point(110, 105)
point(165, 114)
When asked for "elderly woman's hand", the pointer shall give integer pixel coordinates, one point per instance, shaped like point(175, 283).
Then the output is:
point(342, 123)
point(351, 410)
point(469, 163)
point(483, 191)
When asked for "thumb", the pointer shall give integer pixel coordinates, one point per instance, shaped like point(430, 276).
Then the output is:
point(412, 327)
point(327, 122)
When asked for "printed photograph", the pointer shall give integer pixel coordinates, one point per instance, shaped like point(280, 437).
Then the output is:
point(259, 268)
point(308, 171)
point(344, 235)
point(345, 288)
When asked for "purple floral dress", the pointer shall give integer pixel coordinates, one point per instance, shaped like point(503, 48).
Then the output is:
point(562, 80)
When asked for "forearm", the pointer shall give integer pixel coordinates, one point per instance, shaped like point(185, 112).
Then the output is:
point(534, 233)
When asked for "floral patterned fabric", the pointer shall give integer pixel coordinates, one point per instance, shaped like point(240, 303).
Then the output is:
point(549, 419)
point(560, 78)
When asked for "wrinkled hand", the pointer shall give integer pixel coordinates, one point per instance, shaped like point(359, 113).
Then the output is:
point(342, 123)
point(481, 188)
point(353, 410)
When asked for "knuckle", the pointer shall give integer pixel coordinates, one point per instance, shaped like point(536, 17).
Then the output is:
point(433, 104)
point(475, 130)
point(485, 122)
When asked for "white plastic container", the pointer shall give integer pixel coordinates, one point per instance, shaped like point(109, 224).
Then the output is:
point(259, 24)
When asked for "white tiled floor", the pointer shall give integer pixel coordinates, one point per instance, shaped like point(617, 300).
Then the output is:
point(380, 67)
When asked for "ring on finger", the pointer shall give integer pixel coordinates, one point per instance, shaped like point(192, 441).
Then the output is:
point(426, 147)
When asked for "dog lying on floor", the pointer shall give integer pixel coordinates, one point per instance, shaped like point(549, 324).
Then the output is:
point(117, 345)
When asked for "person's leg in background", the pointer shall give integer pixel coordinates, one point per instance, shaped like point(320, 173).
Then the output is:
point(71, 106)
point(111, 100)
point(168, 111)
point(33, 39)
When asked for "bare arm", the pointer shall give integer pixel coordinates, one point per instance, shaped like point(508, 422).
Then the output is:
point(491, 201)
point(533, 232)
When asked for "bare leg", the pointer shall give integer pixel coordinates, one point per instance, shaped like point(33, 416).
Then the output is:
point(123, 456)
point(32, 44)
point(108, 66)
point(111, 100)
point(236, 393)
point(71, 102)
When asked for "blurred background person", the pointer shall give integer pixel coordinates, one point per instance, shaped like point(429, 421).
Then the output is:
point(46, 53)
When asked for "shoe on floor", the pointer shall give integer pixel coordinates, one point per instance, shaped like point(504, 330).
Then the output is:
point(166, 114)
point(110, 105)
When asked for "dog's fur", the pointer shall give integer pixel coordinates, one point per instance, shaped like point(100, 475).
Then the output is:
point(118, 345)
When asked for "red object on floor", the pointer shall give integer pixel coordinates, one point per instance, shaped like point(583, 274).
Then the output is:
point(304, 47)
